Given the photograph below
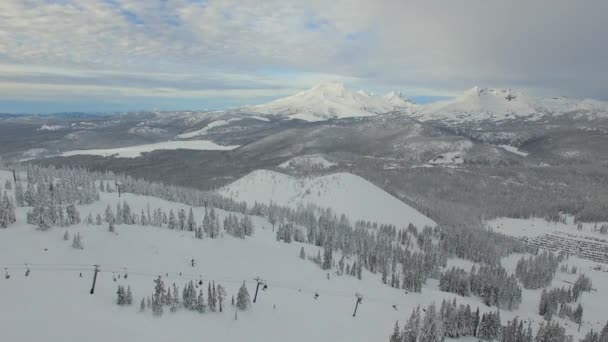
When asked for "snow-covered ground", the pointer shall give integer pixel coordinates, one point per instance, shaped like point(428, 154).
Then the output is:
point(514, 149)
point(46, 127)
point(345, 193)
point(137, 150)
point(205, 130)
point(53, 303)
point(533, 227)
point(307, 162)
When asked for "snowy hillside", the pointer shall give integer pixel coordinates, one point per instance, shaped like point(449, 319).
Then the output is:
point(486, 104)
point(136, 151)
point(345, 193)
point(46, 281)
point(331, 100)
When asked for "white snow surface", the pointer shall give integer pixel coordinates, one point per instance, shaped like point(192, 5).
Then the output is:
point(514, 149)
point(345, 193)
point(307, 162)
point(205, 130)
point(397, 99)
point(137, 150)
point(330, 100)
point(46, 127)
point(487, 104)
point(53, 303)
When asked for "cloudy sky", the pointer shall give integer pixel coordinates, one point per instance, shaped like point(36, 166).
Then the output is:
point(115, 55)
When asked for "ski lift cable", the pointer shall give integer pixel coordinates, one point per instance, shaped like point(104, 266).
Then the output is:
point(175, 275)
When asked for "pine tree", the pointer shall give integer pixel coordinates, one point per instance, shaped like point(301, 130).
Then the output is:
point(98, 220)
point(221, 294)
point(242, 298)
point(129, 296)
point(172, 221)
point(181, 214)
point(578, 315)
point(200, 302)
point(120, 295)
point(191, 223)
point(142, 306)
point(73, 216)
point(302, 254)
point(77, 242)
point(66, 235)
point(157, 298)
point(395, 337)
point(604, 334)
point(109, 215)
point(432, 327)
point(111, 227)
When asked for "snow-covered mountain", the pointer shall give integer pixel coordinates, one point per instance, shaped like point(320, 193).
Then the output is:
point(331, 100)
point(397, 99)
point(343, 192)
point(487, 104)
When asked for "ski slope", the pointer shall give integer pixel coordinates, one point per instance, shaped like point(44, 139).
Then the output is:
point(345, 193)
point(53, 303)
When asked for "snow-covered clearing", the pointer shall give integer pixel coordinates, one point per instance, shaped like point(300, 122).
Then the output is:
point(345, 193)
point(533, 227)
point(46, 127)
point(514, 149)
point(205, 130)
point(314, 161)
point(137, 150)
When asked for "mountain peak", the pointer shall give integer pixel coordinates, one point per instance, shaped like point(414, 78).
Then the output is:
point(398, 99)
point(331, 99)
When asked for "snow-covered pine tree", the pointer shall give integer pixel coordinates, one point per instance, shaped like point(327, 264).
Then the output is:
point(157, 299)
point(98, 220)
point(109, 215)
point(129, 296)
point(66, 235)
point(302, 254)
point(210, 299)
point(395, 336)
point(242, 298)
point(72, 214)
point(142, 305)
point(191, 224)
point(432, 326)
point(182, 218)
point(111, 227)
point(77, 242)
point(7, 211)
point(221, 295)
point(172, 221)
point(200, 302)
point(121, 297)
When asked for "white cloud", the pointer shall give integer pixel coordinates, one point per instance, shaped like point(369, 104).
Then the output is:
point(246, 49)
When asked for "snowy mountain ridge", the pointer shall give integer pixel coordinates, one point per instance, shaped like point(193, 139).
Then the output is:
point(332, 100)
point(489, 104)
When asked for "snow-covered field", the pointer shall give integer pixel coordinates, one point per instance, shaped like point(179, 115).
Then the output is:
point(53, 302)
point(533, 227)
point(206, 129)
point(137, 150)
point(307, 162)
point(345, 193)
point(514, 149)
